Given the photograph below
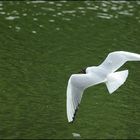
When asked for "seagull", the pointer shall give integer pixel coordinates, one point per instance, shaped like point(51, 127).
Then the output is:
point(104, 73)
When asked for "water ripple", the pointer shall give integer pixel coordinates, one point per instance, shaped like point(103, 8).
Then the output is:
point(11, 17)
point(67, 11)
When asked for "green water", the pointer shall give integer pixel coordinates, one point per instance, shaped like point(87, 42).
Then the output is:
point(42, 44)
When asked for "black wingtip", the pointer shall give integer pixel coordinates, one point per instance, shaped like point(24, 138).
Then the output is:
point(74, 115)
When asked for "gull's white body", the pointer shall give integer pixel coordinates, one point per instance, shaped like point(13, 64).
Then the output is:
point(104, 73)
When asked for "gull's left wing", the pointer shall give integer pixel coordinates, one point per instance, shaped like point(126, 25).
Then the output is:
point(76, 85)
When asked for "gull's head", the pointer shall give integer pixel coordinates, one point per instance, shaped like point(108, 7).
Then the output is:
point(83, 71)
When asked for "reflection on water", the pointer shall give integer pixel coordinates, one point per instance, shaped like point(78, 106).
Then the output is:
point(17, 28)
point(11, 17)
point(34, 32)
point(68, 11)
point(40, 1)
point(76, 135)
point(104, 15)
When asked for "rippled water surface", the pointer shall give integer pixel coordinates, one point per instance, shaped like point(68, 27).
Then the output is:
point(42, 44)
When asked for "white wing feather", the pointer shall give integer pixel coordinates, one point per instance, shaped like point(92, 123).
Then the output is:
point(76, 85)
point(116, 59)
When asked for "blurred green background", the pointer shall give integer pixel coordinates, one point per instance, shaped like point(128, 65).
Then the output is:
point(42, 44)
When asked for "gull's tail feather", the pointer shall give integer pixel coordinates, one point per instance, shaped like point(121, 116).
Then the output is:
point(115, 80)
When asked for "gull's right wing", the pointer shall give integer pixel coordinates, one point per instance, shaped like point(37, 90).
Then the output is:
point(116, 59)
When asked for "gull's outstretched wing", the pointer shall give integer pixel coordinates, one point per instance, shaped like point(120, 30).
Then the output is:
point(76, 85)
point(116, 59)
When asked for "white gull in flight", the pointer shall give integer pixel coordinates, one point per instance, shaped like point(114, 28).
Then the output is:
point(104, 73)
